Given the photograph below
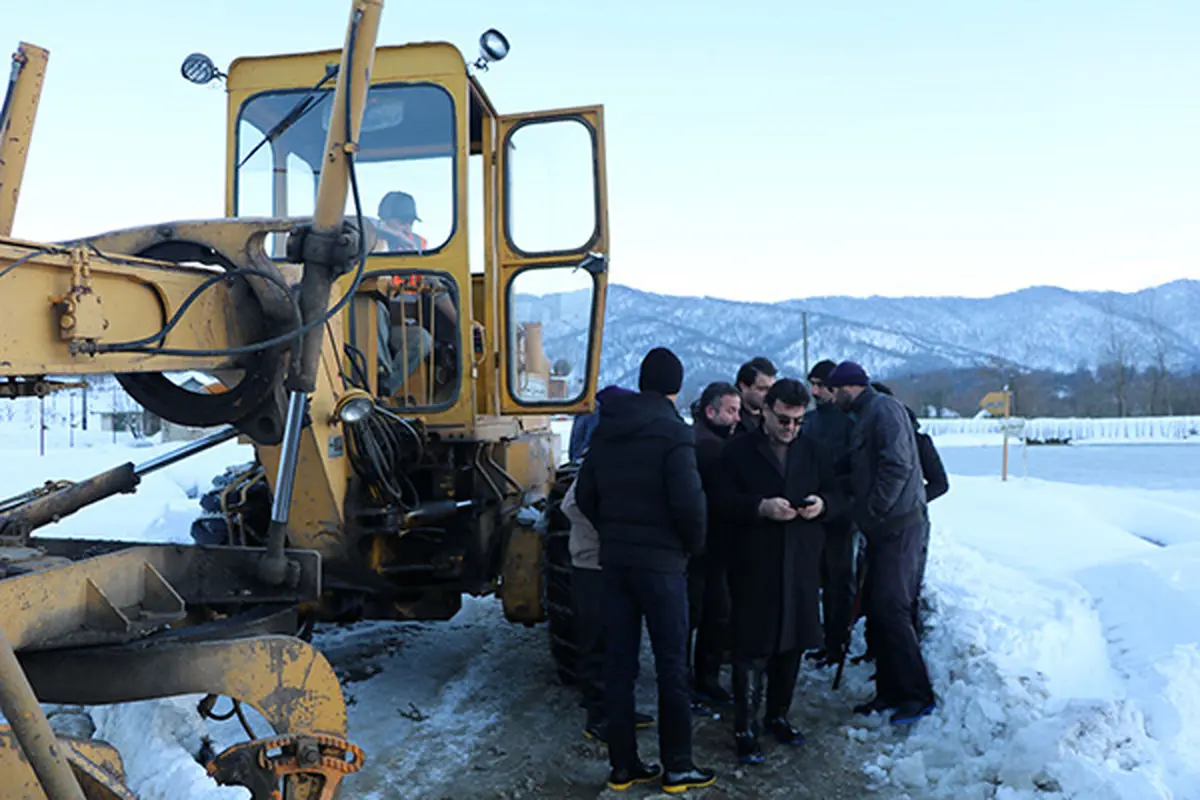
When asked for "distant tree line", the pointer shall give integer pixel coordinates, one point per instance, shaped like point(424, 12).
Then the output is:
point(1112, 390)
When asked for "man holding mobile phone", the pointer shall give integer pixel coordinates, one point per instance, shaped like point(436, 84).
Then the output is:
point(777, 488)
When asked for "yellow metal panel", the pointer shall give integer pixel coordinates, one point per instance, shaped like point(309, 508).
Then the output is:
point(137, 298)
point(420, 60)
point(97, 765)
point(521, 586)
point(315, 517)
point(489, 383)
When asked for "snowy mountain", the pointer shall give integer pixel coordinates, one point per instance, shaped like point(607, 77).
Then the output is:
point(1040, 328)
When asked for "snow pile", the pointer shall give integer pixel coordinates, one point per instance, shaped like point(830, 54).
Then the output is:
point(1072, 429)
point(158, 741)
point(1063, 652)
point(162, 508)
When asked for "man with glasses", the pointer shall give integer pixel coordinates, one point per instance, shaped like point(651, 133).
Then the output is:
point(830, 427)
point(777, 490)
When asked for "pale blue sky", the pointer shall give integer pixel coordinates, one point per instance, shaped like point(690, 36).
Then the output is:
point(756, 150)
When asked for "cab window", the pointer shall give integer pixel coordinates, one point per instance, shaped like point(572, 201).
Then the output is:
point(405, 166)
point(417, 338)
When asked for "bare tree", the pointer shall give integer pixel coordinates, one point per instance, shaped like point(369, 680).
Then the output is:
point(1160, 383)
point(1119, 357)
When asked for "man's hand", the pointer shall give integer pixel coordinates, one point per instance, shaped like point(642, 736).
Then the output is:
point(813, 511)
point(777, 508)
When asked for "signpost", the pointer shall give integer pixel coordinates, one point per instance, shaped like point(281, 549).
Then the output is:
point(999, 404)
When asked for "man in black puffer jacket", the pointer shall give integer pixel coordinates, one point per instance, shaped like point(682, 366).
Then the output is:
point(640, 487)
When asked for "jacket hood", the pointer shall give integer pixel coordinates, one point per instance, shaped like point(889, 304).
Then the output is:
point(611, 391)
point(641, 414)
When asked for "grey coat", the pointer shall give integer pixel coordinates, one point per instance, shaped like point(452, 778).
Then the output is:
point(888, 486)
point(584, 541)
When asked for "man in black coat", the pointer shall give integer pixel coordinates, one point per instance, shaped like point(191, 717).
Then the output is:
point(777, 488)
point(714, 417)
point(640, 487)
point(889, 508)
point(831, 427)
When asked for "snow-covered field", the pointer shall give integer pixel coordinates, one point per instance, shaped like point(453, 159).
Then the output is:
point(1064, 642)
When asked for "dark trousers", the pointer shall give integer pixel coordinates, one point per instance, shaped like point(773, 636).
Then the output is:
point(587, 596)
point(919, 580)
point(631, 595)
point(893, 560)
point(779, 672)
point(708, 610)
point(837, 580)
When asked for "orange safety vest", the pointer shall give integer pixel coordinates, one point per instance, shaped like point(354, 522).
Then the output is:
point(415, 243)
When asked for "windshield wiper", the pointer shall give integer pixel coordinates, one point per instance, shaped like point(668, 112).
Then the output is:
point(306, 104)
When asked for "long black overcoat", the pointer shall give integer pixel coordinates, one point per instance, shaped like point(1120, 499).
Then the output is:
point(774, 567)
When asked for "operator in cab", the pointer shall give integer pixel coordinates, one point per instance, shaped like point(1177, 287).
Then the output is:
point(397, 213)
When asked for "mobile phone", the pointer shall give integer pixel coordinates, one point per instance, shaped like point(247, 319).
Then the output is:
point(805, 503)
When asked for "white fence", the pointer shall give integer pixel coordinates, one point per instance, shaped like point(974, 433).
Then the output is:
point(1074, 429)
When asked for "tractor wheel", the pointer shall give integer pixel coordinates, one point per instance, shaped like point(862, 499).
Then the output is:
point(556, 579)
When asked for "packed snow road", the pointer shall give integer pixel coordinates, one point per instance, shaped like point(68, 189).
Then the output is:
point(472, 708)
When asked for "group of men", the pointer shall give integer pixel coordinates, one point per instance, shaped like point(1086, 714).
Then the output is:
point(736, 540)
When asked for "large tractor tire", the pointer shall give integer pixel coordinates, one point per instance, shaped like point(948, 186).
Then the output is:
point(556, 578)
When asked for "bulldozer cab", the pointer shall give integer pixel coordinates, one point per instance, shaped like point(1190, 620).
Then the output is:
point(484, 286)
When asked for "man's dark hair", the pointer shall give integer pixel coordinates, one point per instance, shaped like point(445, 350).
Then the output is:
point(820, 370)
point(748, 373)
point(715, 392)
point(788, 391)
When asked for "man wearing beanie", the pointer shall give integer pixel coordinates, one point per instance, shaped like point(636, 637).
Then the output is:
point(640, 487)
point(830, 428)
point(889, 508)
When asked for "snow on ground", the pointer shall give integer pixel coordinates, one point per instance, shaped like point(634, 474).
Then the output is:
point(162, 508)
point(1063, 649)
point(1063, 640)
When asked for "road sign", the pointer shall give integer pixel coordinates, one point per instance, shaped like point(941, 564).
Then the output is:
point(995, 403)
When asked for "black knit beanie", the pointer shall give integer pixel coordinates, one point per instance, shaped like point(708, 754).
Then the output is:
point(662, 372)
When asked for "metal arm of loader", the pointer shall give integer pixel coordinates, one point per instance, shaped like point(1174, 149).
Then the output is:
point(16, 125)
point(325, 249)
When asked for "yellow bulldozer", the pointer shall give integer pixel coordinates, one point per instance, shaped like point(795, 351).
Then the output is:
point(395, 376)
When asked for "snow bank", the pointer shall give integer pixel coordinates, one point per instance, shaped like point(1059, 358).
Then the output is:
point(162, 508)
point(158, 741)
point(1072, 429)
point(1063, 652)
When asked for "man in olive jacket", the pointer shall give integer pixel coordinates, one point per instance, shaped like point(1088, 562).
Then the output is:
point(640, 487)
point(777, 488)
point(889, 507)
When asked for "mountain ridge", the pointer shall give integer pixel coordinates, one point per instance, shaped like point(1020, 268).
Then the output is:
point(1037, 327)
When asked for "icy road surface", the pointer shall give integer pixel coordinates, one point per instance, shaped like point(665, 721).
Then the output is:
point(472, 708)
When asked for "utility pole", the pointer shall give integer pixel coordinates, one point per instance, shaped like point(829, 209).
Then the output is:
point(804, 325)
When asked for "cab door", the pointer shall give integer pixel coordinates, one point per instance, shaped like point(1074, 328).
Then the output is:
point(553, 259)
